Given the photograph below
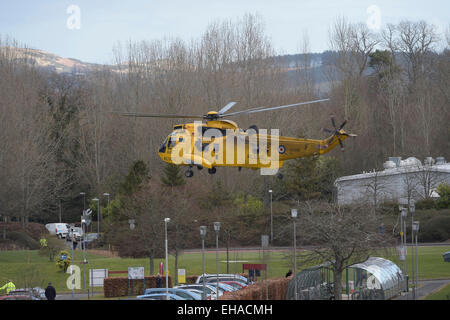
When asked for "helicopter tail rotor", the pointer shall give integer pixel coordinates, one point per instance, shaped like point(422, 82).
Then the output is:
point(338, 132)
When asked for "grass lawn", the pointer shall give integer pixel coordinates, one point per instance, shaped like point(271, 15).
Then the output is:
point(28, 267)
point(442, 294)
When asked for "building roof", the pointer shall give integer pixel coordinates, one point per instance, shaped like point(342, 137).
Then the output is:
point(409, 165)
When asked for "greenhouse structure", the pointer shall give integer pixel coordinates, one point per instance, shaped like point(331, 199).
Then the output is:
point(374, 279)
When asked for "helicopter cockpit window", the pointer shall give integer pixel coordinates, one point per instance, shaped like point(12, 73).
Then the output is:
point(162, 149)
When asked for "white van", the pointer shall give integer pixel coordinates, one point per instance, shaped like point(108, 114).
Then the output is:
point(61, 230)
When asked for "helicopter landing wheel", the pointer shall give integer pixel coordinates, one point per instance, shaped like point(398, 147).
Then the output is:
point(212, 170)
point(189, 173)
point(279, 175)
point(199, 168)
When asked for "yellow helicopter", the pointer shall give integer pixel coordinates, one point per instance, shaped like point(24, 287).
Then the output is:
point(217, 142)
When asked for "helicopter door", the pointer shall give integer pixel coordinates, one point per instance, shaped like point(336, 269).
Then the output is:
point(163, 147)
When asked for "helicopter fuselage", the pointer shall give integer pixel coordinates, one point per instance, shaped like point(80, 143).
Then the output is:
point(220, 143)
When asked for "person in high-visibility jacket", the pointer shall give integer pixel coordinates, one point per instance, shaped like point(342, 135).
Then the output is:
point(9, 287)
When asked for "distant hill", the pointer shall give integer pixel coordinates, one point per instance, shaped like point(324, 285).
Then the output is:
point(291, 64)
point(53, 62)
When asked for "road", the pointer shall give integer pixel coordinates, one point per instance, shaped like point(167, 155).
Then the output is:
point(426, 287)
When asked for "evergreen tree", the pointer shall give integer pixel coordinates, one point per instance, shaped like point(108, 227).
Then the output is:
point(312, 177)
point(138, 174)
point(172, 176)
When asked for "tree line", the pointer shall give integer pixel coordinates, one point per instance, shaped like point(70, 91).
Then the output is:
point(59, 137)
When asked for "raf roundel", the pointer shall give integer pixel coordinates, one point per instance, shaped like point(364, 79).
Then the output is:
point(281, 149)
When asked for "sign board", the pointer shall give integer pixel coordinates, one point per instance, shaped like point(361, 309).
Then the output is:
point(136, 273)
point(181, 275)
point(96, 277)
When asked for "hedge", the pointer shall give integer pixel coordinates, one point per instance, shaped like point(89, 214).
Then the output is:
point(118, 286)
point(274, 289)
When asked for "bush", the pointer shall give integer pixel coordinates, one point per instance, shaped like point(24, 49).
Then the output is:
point(23, 240)
point(276, 290)
point(444, 196)
point(118, 286)
point(64, 264)
point(435, 229)
point(425, 204)
point(50, 247)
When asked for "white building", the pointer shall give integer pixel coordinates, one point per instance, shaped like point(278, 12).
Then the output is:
point(399, 181)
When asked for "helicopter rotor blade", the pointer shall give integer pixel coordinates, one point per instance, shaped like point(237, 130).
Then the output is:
point(261, 109)
point(227, 107)
point(340, 143)
point(327, 130)
point(156, 115)
point(332, 120)
point(343, 124)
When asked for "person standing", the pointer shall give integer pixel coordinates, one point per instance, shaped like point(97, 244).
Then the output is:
point(158, 281)
point(50, 292)
point(10, 286)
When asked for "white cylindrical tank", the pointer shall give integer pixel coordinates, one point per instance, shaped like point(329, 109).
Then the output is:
point(389, 164)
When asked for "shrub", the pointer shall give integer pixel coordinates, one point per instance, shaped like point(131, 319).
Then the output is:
point(50, 247)
point(23, 240)
point(276, 290)
point(435, 229)
point(444, 196)
point(64, 264)
point(118, 286)
point(425, 204)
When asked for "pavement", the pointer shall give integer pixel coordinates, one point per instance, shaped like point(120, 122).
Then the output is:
point(426, 287)
point(76, 296)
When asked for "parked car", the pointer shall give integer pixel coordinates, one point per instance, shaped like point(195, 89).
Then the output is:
point(185, 294)
point(210, 291)
point(238, 285)
point(159, 296)
point(222, 277)
point(16, 297)
point(75, 233)
point(31, 293)
point(224, 286)
point(89, 238)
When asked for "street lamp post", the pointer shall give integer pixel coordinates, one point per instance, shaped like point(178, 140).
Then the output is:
point(415, 232)
point(84, 199)
point(98, 214)
point(203, 235)
point(83, 227)
point(217, 229)
point(403, 215)
point(109, 208)
point(271, 218)
point(294, 217)
point(167, 220)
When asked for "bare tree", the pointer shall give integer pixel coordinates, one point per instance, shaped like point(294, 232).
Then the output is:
point(339, 236)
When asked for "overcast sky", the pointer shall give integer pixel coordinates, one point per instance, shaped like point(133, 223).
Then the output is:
point(88, 29)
